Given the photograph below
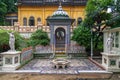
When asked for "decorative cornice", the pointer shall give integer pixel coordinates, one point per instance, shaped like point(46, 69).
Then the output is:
point(52, 2)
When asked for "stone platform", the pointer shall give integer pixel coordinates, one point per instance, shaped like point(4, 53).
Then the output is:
point(44, 66)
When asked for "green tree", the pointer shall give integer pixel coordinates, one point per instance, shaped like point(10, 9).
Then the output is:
point(82, 36)
point(115, 19)
point(97, 17)
point(39, 38)
point(6, 6)
point(3, 11)
point(11, 7)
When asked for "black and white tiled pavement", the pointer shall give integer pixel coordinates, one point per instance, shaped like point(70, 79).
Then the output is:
point(76, 65)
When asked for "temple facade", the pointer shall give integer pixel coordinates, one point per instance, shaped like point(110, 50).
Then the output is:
point(31, 12)
point(33, 15)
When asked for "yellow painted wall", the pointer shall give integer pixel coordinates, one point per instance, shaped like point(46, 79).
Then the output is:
point(44, 11)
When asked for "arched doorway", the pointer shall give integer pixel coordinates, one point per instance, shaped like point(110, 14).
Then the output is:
point(60, 39)
point(31, 21)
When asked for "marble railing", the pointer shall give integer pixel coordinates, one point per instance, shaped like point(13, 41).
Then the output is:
point(7, 27)
point(43, 49)
point(71, 49)
point(26, 55)
point(26, 31)
point(23, 29)
point(76, 49)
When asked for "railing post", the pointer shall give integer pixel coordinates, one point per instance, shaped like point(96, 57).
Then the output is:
point(16, 26)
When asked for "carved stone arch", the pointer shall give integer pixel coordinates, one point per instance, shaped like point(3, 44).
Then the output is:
point(60, 35)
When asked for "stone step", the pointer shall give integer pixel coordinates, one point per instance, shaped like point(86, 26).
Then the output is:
point(59, 55)
point(60, 49)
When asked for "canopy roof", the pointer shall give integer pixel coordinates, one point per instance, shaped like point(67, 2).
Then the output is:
point(60, 12)
point(60, 16)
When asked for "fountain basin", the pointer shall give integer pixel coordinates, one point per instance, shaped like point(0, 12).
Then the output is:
point(60, 63)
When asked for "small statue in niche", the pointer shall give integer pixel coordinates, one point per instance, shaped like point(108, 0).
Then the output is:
point(60, 35)
point(110, 42)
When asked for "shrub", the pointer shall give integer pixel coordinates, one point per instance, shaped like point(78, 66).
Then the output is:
point(82, 36)
point(39, 38)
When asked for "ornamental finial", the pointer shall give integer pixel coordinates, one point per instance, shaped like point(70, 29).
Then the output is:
point(59, 2)
point(60, 6)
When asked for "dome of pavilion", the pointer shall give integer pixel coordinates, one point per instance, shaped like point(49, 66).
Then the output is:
point(60, 12)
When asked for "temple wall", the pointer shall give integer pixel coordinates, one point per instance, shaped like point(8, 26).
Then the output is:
point(44, 11)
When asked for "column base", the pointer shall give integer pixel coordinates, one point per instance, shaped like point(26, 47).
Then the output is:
point(10, 67)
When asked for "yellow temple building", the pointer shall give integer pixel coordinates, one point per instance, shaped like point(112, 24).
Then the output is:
point(30, 12)
point(33, 15)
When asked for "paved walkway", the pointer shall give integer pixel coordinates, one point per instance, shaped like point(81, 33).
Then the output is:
point(76, 65)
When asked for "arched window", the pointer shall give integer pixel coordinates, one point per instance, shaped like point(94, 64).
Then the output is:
point(24, 21)
point(38, 19)
point(31, 21)
point(79, 20)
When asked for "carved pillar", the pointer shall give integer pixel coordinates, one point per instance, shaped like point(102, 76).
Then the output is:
point(52, 36)
point(39, 25)
point(69, 33)
point(67, 43)
point(66, 40)
point(12, 23)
